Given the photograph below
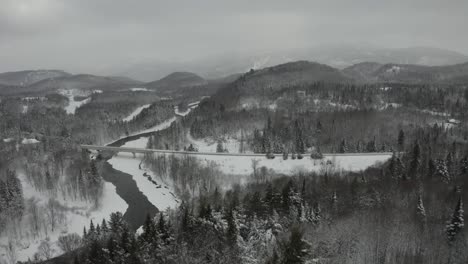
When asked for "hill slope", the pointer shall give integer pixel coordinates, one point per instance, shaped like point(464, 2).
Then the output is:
point(288, 74)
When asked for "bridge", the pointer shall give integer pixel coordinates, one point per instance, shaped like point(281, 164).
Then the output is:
point(165, 151)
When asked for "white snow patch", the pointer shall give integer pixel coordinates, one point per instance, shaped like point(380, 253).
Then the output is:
point(135, 113)
point(7, 140)
point(29, 141)
point(435, 113)
point(394, 69)
point(138, 89)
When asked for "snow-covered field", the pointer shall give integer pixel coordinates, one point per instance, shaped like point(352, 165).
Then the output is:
point(77, 215)
point(135, 113)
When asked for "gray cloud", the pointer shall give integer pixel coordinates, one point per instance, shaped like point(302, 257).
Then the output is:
point(97, 35)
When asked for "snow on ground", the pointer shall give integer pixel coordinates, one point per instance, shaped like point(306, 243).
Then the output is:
point(72, 104)
point(435, 113)
point(78, 214)
point(191, 106)
point(7, 140)
point(389, 105)
point(160, 195)
point(138, 89)
point(394, 69)
point(29, 141)
point(242, 165)
point(205, 145)
point(135, 113)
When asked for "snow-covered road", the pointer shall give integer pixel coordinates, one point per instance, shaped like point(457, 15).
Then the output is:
point(135, 113)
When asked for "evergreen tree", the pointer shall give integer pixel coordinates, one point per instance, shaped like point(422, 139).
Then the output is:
point(343, 146)
point(455, 226)
point(219, 147)
point(415, 161)
point(231, 232)
point(421, 212)
point(296, 249)
point(96, 254)
point(442, 170)
point(149, 230)
point(401, 140)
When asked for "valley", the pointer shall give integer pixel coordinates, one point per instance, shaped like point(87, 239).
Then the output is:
point(299, 144)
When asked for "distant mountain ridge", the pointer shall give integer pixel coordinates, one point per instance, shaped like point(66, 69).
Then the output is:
point(176, 80)
point(28, 77)
point(408, 73)
point(253, 82)
point(337, 56)
point(20, 82)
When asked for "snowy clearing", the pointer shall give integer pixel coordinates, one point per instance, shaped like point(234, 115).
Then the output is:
point(135, 113)
point(72, 104)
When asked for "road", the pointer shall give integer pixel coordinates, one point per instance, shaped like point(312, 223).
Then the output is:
point(164, 151)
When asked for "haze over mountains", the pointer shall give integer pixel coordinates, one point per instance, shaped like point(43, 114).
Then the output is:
point(412, 65)
point(338, 56)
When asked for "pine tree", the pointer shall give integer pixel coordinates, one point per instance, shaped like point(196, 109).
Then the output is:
point(421, 212)
point(149, 230)
point(104, 228)
point(219, 147)
point(296, 249)
point(343, 146)
point(96, 254)
point(401, 140)
point(442, 170)
point(456, 224)
point(163, 229)
point(231, 232)
point(415, 161)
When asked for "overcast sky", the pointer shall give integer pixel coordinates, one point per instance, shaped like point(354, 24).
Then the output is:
point(89, 35)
